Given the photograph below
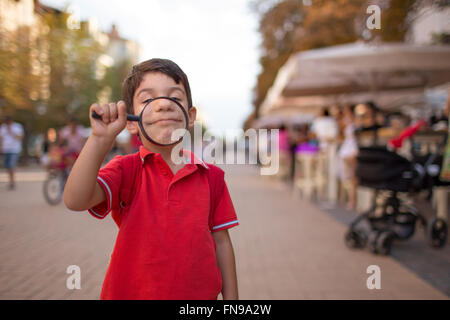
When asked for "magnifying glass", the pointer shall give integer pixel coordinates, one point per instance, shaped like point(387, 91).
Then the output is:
point(163, 125)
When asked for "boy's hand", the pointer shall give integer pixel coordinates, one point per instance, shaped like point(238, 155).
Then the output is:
point(114, 119)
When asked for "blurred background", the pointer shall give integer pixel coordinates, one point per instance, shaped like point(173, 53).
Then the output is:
point(357, 92)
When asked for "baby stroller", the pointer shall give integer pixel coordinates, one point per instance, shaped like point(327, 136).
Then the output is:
point(393, 215)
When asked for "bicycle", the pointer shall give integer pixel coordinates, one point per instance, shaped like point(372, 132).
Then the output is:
point(58, 173)
point(53, 187)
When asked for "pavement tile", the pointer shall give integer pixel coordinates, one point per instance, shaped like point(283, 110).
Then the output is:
point(285, 247)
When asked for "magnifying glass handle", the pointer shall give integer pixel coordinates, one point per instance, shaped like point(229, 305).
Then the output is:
point(130, 117)
point(95, 115)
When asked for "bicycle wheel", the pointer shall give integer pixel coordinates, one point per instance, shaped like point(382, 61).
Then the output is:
point(54, 188)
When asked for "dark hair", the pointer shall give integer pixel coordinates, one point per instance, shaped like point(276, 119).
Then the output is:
point(134, 78)
point(325, 112)
point(372, 106)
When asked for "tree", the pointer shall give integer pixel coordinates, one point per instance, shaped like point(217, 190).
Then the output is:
point(113, 78)
point(19, 81)
point(277, 28)
point(396, 20)
point(48, 72)
point(73, 64)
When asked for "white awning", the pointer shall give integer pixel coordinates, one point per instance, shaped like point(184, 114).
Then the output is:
point(357, 72)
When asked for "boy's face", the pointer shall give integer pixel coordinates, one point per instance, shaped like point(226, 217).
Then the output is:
point(158, 84)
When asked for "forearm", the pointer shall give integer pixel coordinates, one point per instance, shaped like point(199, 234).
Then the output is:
point(227, 266)
point(80, 187)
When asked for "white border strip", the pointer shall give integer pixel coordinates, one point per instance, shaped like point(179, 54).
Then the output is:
point(109, 197)
point(225, 224)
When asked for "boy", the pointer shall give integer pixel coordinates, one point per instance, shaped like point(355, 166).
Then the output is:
point(168, 245)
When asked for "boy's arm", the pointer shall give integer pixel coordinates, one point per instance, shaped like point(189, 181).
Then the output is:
point(227, 265)
point(82, 191)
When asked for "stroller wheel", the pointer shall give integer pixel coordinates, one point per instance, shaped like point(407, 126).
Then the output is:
point(372, 240)
point(384, 242)
point(355, 239)
point(437, 232)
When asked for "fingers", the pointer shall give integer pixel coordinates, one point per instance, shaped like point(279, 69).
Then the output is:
point(109, 112)
point(122, 110)
point(112, 112)
point(105, 115)
point(97, 109)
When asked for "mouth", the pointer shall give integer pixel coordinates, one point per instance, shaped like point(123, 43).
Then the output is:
point(165, 121)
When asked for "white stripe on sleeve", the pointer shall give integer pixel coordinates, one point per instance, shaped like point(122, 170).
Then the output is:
point(225, 224)
point(103, 182)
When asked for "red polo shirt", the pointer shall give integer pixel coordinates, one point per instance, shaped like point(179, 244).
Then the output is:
point(164, 248)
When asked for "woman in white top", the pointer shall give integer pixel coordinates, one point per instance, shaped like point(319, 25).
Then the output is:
point(325, 129)
point(11, 135)
point(347, 156)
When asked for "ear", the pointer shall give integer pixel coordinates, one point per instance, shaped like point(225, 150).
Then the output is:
point(132, 127)
point(192, 115)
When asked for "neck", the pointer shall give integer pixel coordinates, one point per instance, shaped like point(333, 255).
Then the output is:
point(165, 152)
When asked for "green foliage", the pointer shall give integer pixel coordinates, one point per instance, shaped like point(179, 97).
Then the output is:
point(49, 73)
point(113, 78)
point(73, 56)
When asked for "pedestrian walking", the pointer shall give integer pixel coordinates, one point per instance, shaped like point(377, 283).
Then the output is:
point(11, 134)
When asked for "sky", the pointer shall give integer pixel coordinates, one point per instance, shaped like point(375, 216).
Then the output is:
point(216, 43)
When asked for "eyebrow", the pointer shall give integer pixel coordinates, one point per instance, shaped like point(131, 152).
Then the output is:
point(150, 90)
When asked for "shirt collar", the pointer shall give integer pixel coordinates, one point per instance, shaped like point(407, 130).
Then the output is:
point(189, 156)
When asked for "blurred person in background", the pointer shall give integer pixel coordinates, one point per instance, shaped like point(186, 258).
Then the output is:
point(57, 154)
point(324, 128)
point(11, 135)
point(347, 154)
point(368, 116)
point(74, 135)
point(284, 150)
point(398, 121)
point(283, 138)
point(440, 122)
point(49, 139)
point(381, 119)
point(299, 137)
point(335, 112)
point(366, 126)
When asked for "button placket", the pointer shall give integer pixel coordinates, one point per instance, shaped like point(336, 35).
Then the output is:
point(169, 201)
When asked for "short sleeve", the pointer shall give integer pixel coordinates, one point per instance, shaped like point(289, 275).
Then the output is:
point(110, 179)
point(312, 126)
point(224, 216)
point(63, 133)
point(18, 129)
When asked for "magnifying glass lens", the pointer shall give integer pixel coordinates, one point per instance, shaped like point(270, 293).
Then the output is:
point(163, 121)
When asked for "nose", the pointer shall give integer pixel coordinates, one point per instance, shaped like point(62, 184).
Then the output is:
point(163, 105)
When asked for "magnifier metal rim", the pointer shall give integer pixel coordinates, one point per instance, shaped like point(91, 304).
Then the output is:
point(141, 125)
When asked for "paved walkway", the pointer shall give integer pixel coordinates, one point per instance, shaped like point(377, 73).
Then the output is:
point(286, 248)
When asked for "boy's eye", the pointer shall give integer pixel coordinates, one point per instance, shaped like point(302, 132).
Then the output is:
point(175, 98)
